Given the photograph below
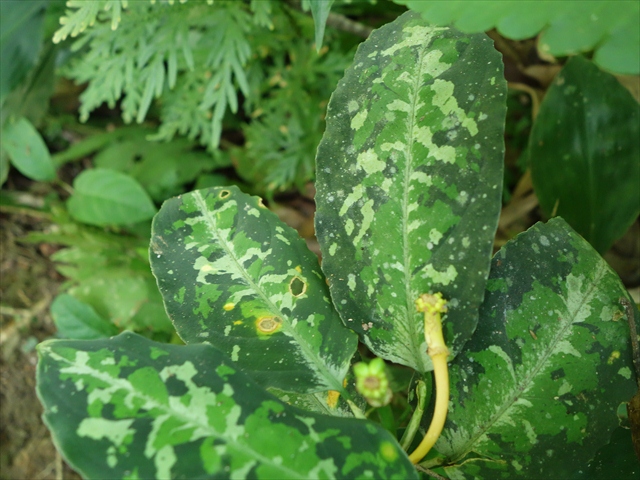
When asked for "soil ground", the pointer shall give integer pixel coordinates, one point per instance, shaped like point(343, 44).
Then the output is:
point(28, 282)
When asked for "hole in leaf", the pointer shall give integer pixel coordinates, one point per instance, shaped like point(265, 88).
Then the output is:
point(297, 287)
point(224, 193)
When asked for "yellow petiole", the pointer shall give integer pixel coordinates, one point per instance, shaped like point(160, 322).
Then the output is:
point(433, 306)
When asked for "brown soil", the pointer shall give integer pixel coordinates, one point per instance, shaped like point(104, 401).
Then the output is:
point(28, 283)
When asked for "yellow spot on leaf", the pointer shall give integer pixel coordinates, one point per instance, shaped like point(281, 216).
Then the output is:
point(332, 398)
point(613, 357)
point(238, 322)
point(268, 325)
point(229, 306)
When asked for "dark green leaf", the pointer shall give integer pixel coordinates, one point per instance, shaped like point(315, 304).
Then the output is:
point(20, 40)
point(585, 154)
point(535, 393)
point(232, 274)
point(409, 176)
point(79, 321)
point(320, 10)
point(610, 27)
point(132, 408)
point(107, 197)
point(27, 150)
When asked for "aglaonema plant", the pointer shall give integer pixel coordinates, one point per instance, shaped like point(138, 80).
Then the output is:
point(532, 343)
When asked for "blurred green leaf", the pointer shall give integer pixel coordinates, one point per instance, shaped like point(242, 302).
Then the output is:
point(107, 197)
point(409, 175)
point(162, 168)
point(320, 10)
point(27, 150)
point(79, 321)
point(128, 405)
point(536, 391)
point(610, 27)
point(585, 154)
point(21, 32)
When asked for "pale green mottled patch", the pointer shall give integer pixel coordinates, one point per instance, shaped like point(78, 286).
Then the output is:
point(359, 119)
point(116, 431)
point(442, 278)
point(369, 162)
point(625, 372)
point(448, 104)
point(234, 353)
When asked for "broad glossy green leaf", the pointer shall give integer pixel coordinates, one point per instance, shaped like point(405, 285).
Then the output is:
point(107, 197)
point(409, 176)
point(585, 154)
point(320, 10)
point(232, 274)
point(79, 321)
point(128, 407)
point(535, 393)
point(609, 27)
point(27, 150)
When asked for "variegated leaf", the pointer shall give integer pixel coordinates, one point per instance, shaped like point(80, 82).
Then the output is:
point(231, 274)
point(409, 178)
point(128, 407)
point(535, 392)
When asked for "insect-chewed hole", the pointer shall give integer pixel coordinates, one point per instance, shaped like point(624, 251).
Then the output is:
point(261, 204)
point(297, 286)
point(268, 325)
point(224, 193)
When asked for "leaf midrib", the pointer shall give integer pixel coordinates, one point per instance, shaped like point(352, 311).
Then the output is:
point(415, 347)
point(521, 387)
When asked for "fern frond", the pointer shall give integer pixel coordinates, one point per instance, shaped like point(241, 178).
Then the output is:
point(85, 14)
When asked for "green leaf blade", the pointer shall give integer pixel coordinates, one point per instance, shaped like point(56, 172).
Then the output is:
point(536, 392)
point(233, 275)
point(584, 153)
point(107, 197)
point(128, 406)
point(320, 11)
point(608, 27)
point(409, 179)
point(79, 321)
point(27, 150)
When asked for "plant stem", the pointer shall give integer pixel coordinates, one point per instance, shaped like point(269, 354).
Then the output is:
point(414, 423)
point(433, 306)
point(441, 373)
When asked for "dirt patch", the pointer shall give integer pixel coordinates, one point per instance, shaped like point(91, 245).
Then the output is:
point(28, 282)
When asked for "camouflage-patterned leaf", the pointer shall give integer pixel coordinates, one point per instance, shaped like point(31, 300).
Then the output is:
point(128, 407)
point(232, 274)
point(535, 393)
point(409, 176)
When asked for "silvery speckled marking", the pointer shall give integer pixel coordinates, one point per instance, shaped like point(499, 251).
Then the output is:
point(118, 409)
point(409, 167)
point(541, 373)
point(253, 289)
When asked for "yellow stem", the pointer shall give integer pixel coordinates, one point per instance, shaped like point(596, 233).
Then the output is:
point(441, 373)
point(433, 306)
